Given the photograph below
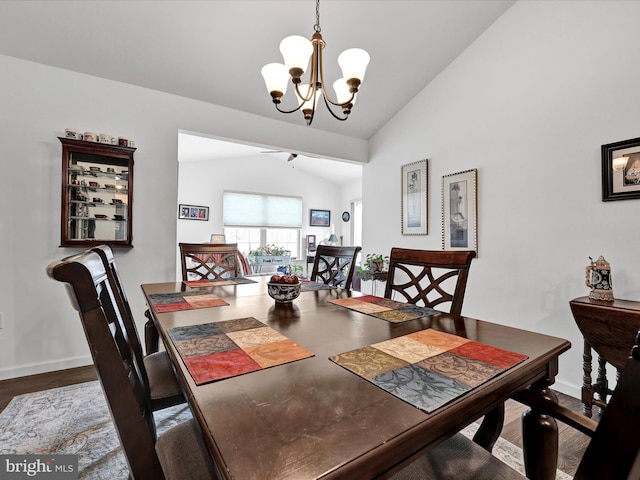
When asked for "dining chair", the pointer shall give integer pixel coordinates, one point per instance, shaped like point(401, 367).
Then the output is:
point(334, 265)
point(155, 368)
point(613, 451)
point(178, 454)
point(432, 277)
point(199, 261)
point(208, 261)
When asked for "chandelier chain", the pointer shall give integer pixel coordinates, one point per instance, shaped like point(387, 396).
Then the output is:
point(316, 27)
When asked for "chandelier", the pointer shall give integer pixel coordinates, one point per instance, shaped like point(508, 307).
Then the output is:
point(296, 51)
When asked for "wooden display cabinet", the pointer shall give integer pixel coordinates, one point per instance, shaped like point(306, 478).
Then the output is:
point(97, 194)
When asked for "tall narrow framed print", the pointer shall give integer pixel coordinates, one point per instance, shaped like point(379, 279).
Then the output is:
point(460, 211)
point(415, 198)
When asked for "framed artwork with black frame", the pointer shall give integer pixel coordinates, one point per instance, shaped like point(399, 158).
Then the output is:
point(415, 198)
point(319, 218)
point(193, 212)
point(460, 211)
point(621, 170)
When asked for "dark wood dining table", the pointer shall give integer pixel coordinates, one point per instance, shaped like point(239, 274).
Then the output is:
point(313, 419)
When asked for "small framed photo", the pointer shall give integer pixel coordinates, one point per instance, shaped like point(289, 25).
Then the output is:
point(319, 218)
point(193, 212)
point(621, 170)
point(218, 238)
point(460, 211)
point(415, 198)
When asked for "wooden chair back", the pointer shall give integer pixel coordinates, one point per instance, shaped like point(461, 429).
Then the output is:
point(614, 450)
point(208, 261)
point(335, 265)
point(106, 255)
point(431, 277)
point(117, 365)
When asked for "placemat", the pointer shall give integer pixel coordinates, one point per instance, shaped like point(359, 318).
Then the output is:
point(309, 286)
point(217, 350)
point(428, 369)
point(173, 302)
point(216, 283)
point(385, 308)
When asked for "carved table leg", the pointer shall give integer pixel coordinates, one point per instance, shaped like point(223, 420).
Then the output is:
point(601, 381)
point(540, 439)
point(587, 388)
point(490, 428)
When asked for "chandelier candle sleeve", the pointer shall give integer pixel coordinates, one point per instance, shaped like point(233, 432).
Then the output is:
point(296, 51)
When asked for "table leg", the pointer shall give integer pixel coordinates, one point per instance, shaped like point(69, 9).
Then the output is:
point(601, 381)
point(490, 428)
point(540, 438)
point(587, 388)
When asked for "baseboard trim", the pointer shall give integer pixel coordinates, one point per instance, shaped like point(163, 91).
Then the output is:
point(35, 369)
point(568, 389)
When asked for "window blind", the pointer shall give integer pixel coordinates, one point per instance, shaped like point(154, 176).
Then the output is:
point(261, 210)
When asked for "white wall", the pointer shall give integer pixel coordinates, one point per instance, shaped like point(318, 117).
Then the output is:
point(528, 104)
point(41, 332)
point(203, 183)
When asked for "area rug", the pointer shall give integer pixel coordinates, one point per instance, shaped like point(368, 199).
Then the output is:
point(75, 420)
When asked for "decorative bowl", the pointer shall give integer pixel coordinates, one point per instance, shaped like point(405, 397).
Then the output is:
point(283, 292)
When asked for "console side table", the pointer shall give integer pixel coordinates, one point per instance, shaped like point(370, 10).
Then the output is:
point(610, 329)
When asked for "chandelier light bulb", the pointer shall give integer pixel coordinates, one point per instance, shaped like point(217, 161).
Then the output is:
point(353, 63)
point(296, 51)
point(342, 91)
point(276, 77)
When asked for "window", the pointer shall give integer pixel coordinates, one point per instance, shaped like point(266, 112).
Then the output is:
point(254, 220)
point(252, 238)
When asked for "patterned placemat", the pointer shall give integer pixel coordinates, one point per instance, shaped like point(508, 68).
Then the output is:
point(309, 286)
point(385, 308)
point(428, 369)
point(217, 350)
point(173, 302)
point(217, 283)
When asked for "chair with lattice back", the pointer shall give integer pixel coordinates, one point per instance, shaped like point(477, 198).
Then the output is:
point(179, 453)
point(335, 265)
point(157, 372)
point(429, 277)
point(208, 261)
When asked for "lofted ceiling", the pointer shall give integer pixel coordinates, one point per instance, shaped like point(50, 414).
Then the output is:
point(213, 51)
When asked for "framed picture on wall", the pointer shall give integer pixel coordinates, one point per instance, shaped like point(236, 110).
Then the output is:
point(460, 211)
point(193, 212)
point(621, 170)
point(415, 198)
point(319, 218)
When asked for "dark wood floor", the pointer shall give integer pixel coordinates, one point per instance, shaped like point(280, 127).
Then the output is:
point(572, 443)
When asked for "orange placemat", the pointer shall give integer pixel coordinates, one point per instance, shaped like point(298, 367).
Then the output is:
point(428, 369)
point(173, 302)
point(218, 350)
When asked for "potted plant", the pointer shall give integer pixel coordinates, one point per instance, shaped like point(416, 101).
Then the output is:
point(373, 263)
point(269, 254)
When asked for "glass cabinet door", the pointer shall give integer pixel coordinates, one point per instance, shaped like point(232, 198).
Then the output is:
point(97, 194)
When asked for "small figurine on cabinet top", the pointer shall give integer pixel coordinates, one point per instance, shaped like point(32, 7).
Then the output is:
point(598, 279)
